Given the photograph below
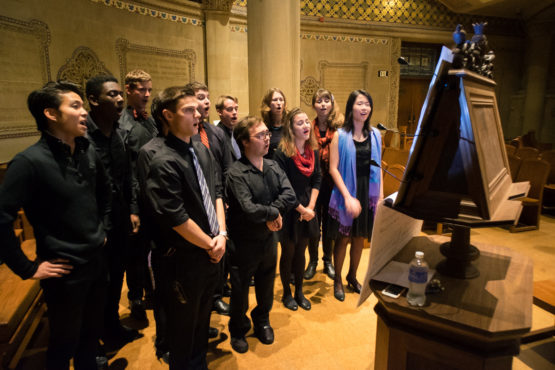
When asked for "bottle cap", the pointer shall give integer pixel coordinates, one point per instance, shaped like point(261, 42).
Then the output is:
point(419, 254)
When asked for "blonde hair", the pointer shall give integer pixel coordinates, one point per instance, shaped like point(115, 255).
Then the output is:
point(287, 142)
point(335, 118)
point(265, 111)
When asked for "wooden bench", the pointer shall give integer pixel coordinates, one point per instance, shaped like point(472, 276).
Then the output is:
point(21, 303)
point(544, 297)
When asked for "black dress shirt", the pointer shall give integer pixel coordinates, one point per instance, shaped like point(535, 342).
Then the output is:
point(173, 191)
point(228, 134)
point(218, 147)
point(135, 133)
point(255, 197)
point(117, 162)
point(65, 197)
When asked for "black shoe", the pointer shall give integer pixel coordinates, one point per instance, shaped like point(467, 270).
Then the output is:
point(353, 284)
point(163, 355)
point(101, 362)
point(310, 270)
point(338, 291)
point(240, 345)
point(329, 270)
point(265, 334)
point(227, 291)
point(221, 307)
point(138, 310)
point(122, 334)
point(213, 332)
point(303, 302)
point(289, 303)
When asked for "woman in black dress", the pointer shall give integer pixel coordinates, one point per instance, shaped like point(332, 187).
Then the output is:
point(274, 114)
point(358, 186)
point(299, 160)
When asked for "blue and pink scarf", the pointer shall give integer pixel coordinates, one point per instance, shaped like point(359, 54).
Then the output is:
point(347, 169)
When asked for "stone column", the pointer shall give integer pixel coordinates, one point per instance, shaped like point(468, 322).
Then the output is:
point(218, 50)
point(274, 50)
point(537, 69)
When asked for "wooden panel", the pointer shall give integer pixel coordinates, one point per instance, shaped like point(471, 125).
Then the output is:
point(16, 295)
point(483, 147)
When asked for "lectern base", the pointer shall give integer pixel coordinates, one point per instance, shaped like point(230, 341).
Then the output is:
point(408, 346)
point(460, 254)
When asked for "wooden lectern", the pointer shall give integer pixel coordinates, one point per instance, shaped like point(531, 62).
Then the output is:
point(457, 173)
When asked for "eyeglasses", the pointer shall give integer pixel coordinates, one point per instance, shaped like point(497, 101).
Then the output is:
point(263, 135)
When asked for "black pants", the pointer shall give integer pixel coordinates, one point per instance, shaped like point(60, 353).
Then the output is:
point(322, 208)
point(263, 268)
point(189, 294)
point(75, 312)
point(116, 255)
point(138, 279)
point(160, 272)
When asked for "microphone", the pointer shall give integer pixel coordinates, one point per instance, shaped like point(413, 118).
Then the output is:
point(374, 163)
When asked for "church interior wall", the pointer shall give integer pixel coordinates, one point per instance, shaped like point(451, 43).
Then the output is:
point(77, 38)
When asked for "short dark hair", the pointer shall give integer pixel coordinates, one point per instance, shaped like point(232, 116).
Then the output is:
point(196, 86)
point(49, 96)
point(241, 130)
point(348, 124)
point(95, 84)
point(167, 99)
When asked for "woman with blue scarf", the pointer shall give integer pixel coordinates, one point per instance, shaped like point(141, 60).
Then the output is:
point(358, 186)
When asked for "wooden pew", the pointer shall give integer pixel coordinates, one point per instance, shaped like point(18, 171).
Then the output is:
point(21, 306)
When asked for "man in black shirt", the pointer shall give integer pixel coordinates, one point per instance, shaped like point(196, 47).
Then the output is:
point(185, 196)
point(214, 140)
point(258, 193)
point(137, 129)
point(61, 184)
point(106, 101)
point(228, 109)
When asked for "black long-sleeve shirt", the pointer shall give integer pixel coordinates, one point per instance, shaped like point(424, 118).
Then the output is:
point(65, 197)
point(218, 147)
point(117, 162)
point(255, 197)
point(302, 185)
point(173, 191)
point(135, 132)
point(228, 134)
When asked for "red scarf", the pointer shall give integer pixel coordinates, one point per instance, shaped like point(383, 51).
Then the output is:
point(305, 164)
point(323, 144)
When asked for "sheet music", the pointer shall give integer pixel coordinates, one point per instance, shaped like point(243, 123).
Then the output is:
point(392, 231)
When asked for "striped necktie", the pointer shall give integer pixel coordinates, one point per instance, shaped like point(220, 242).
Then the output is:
point(235, 147)
point(206, 200)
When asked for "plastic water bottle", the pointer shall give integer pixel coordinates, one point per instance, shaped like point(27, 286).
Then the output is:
point(418, 277)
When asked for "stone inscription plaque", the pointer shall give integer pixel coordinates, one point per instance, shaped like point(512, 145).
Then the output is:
point(23, 68)
point(342, 78)
point(167, 67)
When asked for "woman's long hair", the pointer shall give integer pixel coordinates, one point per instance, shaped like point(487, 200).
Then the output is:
point(265, 110)
point(287, 142)
point(349, 124)
point(335, 118)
